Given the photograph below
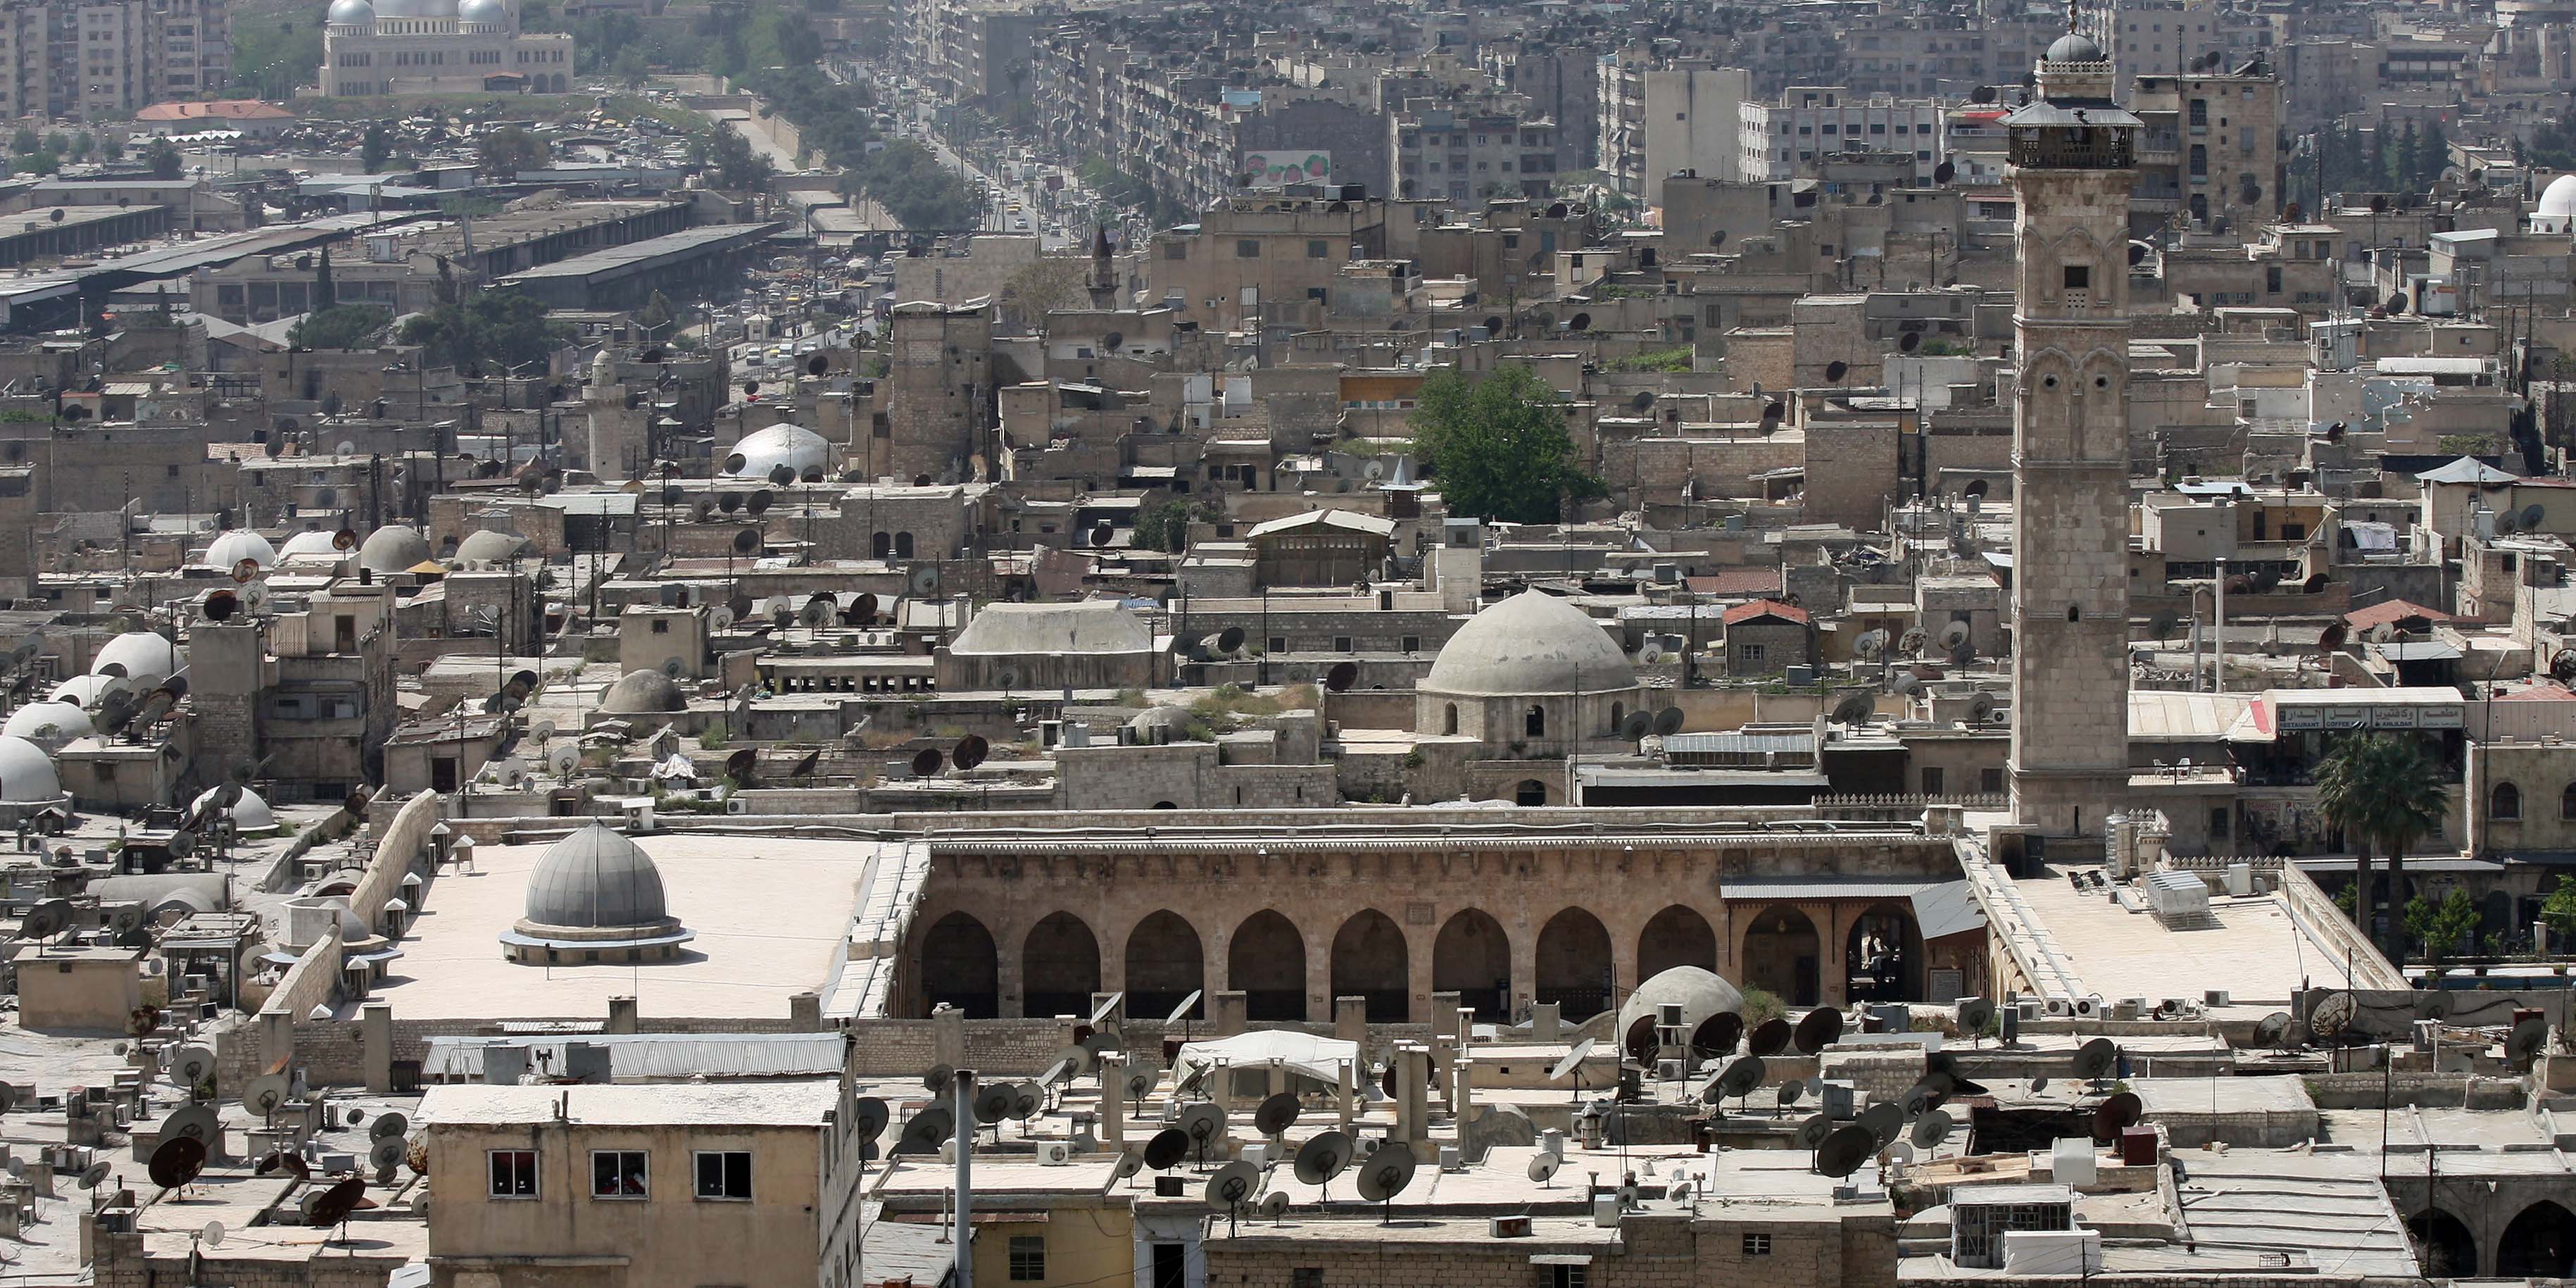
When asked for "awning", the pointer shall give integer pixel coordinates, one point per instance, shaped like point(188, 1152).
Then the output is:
point(1561, 1259)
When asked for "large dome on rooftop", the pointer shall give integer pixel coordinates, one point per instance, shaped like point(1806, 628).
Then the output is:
point(2075, 47)
point(393, 548)
point(26, 773)
point(147, 658)
point(640, 693)
point(352, 13)
point(794, 446)
point(309, 543)
point(239, 544)
point(483, 11)
point(47, 724)
point(2557, 210)
point(1531, 643)
point(487, 547)
point(597, 894)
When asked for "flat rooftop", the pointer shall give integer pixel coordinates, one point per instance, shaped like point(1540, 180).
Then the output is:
point(2253, 949)
point(772, 918)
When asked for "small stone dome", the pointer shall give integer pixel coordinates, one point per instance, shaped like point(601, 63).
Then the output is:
point(47, 724)
point(393, 548)
point(794, 446)
point(2075, 47)
point(482, 11)
point(239, 544)
point(351, 13)
point(1530, 644)
point(487, 547)
point(249, 814)
point(1700, 992)
point(26, 773)
point(147, 658)
point(1175, 719)
point(309, 543)
point(597, 894)
point(639, 693)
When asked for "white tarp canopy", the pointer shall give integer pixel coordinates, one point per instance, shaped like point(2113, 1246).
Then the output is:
point(1301, 1053)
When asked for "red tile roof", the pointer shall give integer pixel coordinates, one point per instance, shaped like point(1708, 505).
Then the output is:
point(1762, 608)
point(2393, 610)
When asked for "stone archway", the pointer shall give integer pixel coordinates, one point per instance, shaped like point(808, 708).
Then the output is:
point(2443, 1245)
point(1266, 961)
point(1574, 965)
point(1059, 967)
point(1370, 961)
point(2540, 1244)
point(1165, 964)
point(1883, 955)
point(960, 967)
point(1473, 958)
point(1677, 936)
point(1782, 954)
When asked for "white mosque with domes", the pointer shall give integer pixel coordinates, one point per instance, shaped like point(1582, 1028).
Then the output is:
point(382, 47)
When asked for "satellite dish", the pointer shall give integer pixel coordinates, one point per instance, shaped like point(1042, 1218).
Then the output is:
point(1543, 1166)
point(970, 752)
point(191, 1065)
point(1717, 1035)
point(94, 1175)
point(1203, 1123)
point(2096, 1059)
point(177, 1161)
point(1842, 1152)
point(1342, 676)
point(1126, 1166)
point(1080, 1058)
point(1388, 1170)
point(386, 1154)
point(2039, 1084)
point(1026, 1099)
point(1321, 1158)
point(1811, 1133)
point(1975, 1013)
point(332, 1206)
point(245, 570)
point(746, 541)
point(2531, 517)
point(562, 757)
point(1169, 1146)
point(994, 1103)
point(1232, 1187)
point(2522, 1046)
point(1140, 1081)
point(265, 1093)
point(221, 605)
point(1916, 1102)
point(1789, 1092)
point(1817, 1029)
point(1931, 1129)
point(2274, 1030)
point(1836, 370)
point(927, 761)
point(1883, 1121)
point(2333, 1014)
point(389, 1125)
point(1636, 724)
point(926, 1132)
point(1668, 721)
point(1572, 1061)
point(1738, 1079)
point(868, 1117)
point(2116, 1115)
point(1771, 1037)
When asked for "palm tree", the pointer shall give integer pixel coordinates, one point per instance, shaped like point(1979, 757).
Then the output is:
point(2384, 794)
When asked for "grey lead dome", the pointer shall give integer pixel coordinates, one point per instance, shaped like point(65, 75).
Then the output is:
point(596, 879)
point(1531, 643)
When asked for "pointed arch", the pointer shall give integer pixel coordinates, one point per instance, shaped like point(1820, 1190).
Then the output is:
point(1574, 965)
point(1059, 967)
point(1370, 961)
point(1472, 957)
point(960, 967)
point(1166, 963)
point(1266, 961)
point(1677, 936)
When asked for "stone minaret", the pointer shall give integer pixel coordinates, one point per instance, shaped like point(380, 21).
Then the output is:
point(2072, 154)
point(1104, 271)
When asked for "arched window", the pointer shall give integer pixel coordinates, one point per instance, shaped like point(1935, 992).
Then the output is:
point(1617, 712)
point(1449, 725)
point(1535, 723)
point(2505, 802)
point(881, 545)
point(2567, 802)
point(903, 545)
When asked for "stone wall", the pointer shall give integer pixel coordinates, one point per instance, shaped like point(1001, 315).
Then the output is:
point(399, 847)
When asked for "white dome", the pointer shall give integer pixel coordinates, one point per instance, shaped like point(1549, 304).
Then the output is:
point(47, 724)
point(26, 773)
point(148, 658)
point(485, 11)
point(1530, 644)
point(351, 13)
point(250, 813)
point(309, 543)
point(86, 690)
point(487, 547)
point(237, 545)
point(2558, 201)
point(393, 548)
point(794, 446)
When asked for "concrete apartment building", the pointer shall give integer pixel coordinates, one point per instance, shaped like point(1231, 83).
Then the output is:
point(1463, 156)
point(2211, 147)
point(1785, 137)
point(1658, 120)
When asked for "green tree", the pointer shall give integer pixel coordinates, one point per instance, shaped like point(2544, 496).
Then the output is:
point(1166, 527)
point(326, 292)
point(24, 142)
point(2558, 912)
point(2385, 795)
point(164, 160)
point(655, 314)
point(497, 329)
point(378, 147)
point(272, 59)
point(512, 148)
point(1499, 445)
point(341, 326)
point(2441, 925)
point(631, 66)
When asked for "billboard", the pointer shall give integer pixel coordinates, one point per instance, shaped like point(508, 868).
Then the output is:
point(1279, 168)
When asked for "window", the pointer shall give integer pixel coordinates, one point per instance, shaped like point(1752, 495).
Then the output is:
point(2079, 277)
point(1757, 1243)
point(1534, 724)
point(1306, 1277)
point(2074, 613)
point(1931, 780)
point(1278, 644)
point(1749, 653)
point(1566, 1276)
point(1410, 643)
point(724, 1175)
point(1028, 1258)
point(514, 1173)
point(2505, 802)
point(2567, 802)
point(1341, 643)
point(1176, 250)
point(619, 1174)
point(1318, 248)
point(661, 627)
point(1247, 248)
point(1990, 779)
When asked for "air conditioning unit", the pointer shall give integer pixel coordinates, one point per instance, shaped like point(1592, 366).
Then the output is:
point(1668, 1070)
point(737, 805)
point(1054, 1153)
point(2058, 1006)
point(2087, 1008)
point(1508, 1227)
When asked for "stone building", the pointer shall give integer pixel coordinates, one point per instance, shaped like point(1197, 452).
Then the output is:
point(1767, 637)
point(439, 47)
point(935, 410)
point(1035, 648)
point(2072, 151)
